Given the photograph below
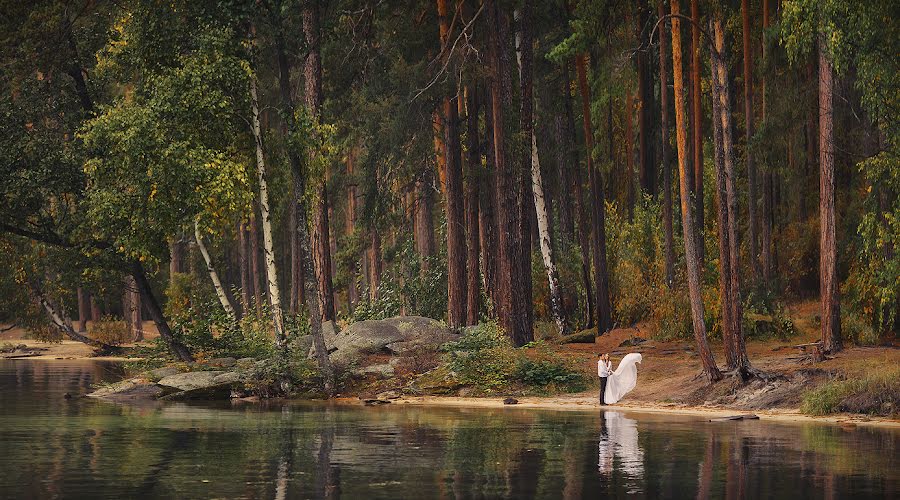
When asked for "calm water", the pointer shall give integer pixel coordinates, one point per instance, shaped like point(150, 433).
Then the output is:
point(54, 447)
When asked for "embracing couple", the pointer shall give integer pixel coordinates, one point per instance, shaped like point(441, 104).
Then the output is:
point(615, 384)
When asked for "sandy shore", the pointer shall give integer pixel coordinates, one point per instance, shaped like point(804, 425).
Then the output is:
point(581, 403)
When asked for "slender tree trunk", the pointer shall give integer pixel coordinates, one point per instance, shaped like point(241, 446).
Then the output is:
point(737, 359)
point(693, 271)
point(584, 223)
point(629, 152)
point(524, 44)
point(96, 314)
point(456, 237)
point(828, 279)
point(83, 310)
point(423, 215)
point(244, 268)
point(221, 293)
point(176, 257)
point(374, 266)
point(601, 283)
point(156, 314)
point(60, 320)
point(748, 131)
point(135, 318)
point(697, 129)
point(666, 151)
point(564, 184)
point(645, 96)
point(255, 278)
point(767, 187)
point(271, 271)
point(511, 304)
point(473, 290)
point(487, 223)
point(350, 229)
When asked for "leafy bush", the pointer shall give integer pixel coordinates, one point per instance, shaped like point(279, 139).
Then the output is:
point(765, 317)
point(483, 358)
point(549, 373)
point(878, 392)
point(284, 375)
point(208, 331)
point(110, 330)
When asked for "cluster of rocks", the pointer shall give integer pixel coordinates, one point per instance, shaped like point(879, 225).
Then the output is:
point(393, 340)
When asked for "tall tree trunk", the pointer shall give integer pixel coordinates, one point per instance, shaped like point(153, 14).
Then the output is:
point(736, 353)
point(473, 290)
point(244, 267)
point(221, 293)
point(255, 278)
point(96, 314)
point(271, 271)
point(693, 271)
point(84, 311)
point(321, 236)
point(601, 281)
point(156, 314)
point(456, 237)
point(629, 152)
point(697, 122)
point(350, 229)
point(564, 184)
point(666, 151)
point(135, 318)
point(374, 266)
point(828, 279)
point(423, 217)
point(487, 223)
point(524, 45)
point(511, 304)
point(584, 223)
point(748, 131)
point(645, 95)
point(768, 221)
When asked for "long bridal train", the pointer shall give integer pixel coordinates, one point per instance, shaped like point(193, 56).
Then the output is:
point(623, 380)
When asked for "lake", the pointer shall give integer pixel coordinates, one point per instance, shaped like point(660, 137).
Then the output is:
point(54, 447)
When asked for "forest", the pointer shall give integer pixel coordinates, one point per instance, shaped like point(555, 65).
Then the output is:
point(242, 174)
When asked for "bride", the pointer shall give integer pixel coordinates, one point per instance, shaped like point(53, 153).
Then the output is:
point(622, 380)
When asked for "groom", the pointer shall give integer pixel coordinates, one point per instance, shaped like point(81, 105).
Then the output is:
point(604, 368)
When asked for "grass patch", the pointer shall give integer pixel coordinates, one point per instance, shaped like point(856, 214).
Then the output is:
point(876, 393)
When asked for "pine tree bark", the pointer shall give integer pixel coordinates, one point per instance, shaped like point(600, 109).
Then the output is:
point(828, 279)
point(666, 150)
point(735, 350)
point(424, 220)
point(647, 105)
point(487, 223)
point(473, 290)
point(512, 313)
point(349, 229)
point(601, 280)
point(524, 44)
point(748, 132)
point(454, 206)
point(96, 314)
point(693, 271)
point(321, 237)
point(768, 221)
point(697, 129)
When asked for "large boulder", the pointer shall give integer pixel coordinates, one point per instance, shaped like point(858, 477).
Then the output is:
point(397, 335)
point(137, 389)
point(200, 385)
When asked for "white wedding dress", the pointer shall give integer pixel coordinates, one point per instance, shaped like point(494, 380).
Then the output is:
point(622, 381)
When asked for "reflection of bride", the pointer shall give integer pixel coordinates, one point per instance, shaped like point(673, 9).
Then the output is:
point(623, 380)
point(619, 439)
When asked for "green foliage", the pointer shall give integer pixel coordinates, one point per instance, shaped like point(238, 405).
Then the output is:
point(876, 392)
point(208, 331)
point(765, 317)
point(483, 358)
point(284, 375)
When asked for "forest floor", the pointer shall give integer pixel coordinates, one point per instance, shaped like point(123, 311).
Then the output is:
point(669, 378)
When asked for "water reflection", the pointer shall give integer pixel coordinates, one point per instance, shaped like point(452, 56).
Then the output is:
point(54, 447)
point(619, 449)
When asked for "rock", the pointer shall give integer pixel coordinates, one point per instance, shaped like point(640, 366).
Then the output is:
point(392, 335)
point(228, 378)
point(385, 370)
point(129, 390)
point(245, 361)
point(163, 372)
point(510, 401)
point(582, 337)
point(222, 362)
point(388, 395)
point(633, 341)
point(190, 380)
point(375, 402)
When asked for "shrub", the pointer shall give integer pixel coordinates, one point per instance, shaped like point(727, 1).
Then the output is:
point(284, 375)
point(110, 330)
point(483, 358)
point(877, 392)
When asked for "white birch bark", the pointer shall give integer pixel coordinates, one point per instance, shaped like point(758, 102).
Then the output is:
point(271, 273)
point(213, 275)
point(543, 220)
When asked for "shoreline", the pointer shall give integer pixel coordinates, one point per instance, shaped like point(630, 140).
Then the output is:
point(588, 403)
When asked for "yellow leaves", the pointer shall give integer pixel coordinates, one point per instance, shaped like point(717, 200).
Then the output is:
point(153, 190)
